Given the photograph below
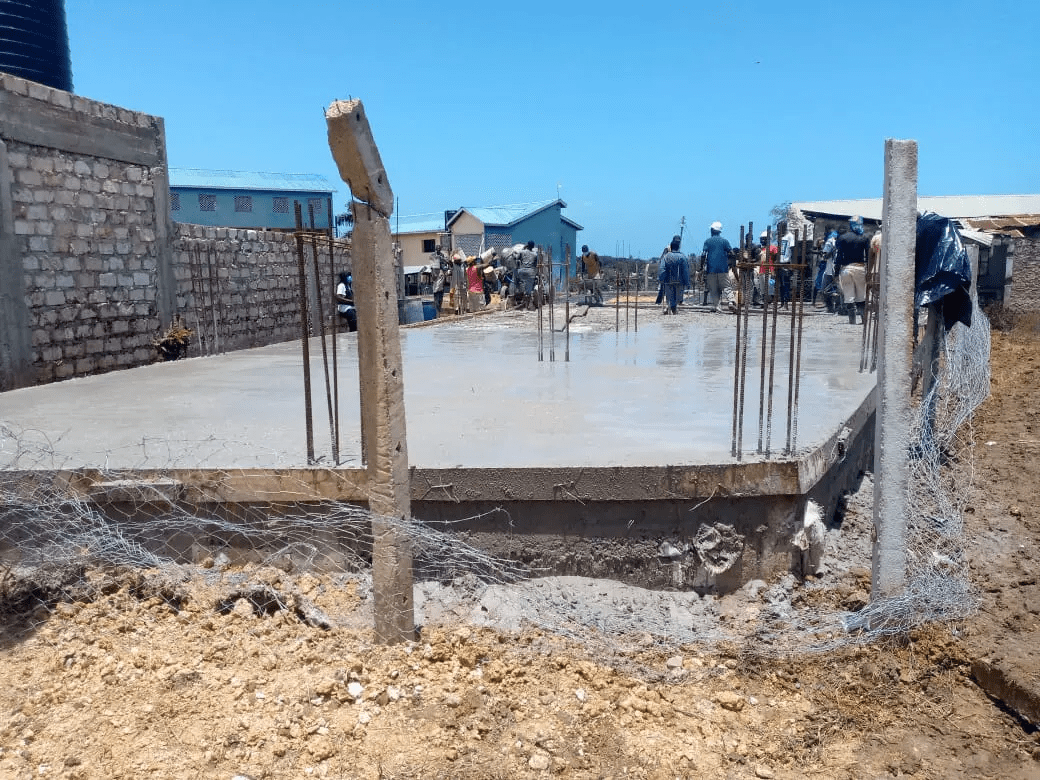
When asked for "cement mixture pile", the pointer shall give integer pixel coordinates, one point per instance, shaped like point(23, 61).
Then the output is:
point(232, 669)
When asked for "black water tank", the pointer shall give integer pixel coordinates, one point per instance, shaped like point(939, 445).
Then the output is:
point(34, 42)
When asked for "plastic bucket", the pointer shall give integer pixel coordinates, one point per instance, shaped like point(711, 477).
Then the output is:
point(429, 310)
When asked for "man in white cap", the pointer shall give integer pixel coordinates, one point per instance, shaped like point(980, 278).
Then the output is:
point(715, 259)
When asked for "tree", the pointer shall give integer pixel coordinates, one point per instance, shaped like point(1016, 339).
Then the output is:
point(779, 212)
point(344, 224)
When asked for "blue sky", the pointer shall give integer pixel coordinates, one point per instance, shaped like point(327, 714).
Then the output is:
point(638, 114)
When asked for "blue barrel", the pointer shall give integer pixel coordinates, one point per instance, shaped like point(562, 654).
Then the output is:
point(409, 311)
point(429, 310)
point(34, 42)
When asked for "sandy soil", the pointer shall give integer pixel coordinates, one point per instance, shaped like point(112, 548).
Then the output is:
point(143, 677)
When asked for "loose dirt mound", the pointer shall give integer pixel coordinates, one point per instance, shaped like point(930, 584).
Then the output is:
point(226, 675)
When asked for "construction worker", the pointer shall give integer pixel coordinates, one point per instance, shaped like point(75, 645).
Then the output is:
point(590, 269)
point(715, 261)
point(850, 266)
point(674, 276)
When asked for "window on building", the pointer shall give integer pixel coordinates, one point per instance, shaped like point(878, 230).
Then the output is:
point(281, 205)
point(207, 202)
point(243, 203)
point(175, 201)
point(317, 205)
point(428, 245)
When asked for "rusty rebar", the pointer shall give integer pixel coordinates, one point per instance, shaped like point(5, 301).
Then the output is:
point(769, 266)
point(335, 336)
point(798, 369)
point(304, 334)
point(617, 301)
point(551, 295)
point(736, 350)
point(567, 304)
point(319, 297)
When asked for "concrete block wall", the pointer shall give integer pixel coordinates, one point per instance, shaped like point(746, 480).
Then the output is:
point(84, 253)
point(92, 269)
point(1025, 282)
point(90, 258)
point(241, 288)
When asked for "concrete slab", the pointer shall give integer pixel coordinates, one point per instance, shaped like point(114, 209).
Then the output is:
point(476, 397)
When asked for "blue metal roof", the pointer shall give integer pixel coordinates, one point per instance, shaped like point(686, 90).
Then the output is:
point(199, 178)
point(504, 216)
point(417, 223)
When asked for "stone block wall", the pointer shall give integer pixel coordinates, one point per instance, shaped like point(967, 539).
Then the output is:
point(241, 288)
point(84, 246)
point(86, 226)
point(92, 270)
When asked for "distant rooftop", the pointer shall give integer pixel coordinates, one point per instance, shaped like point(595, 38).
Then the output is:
point(504, 216)
point(953, 206)
point(494, 216)
point(417, 223)
point(249, 180)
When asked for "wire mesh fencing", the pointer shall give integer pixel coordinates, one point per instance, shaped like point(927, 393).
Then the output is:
point(61, 541)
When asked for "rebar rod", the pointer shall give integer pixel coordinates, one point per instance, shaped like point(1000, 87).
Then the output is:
point(551, 287)
point(772, 357)
point(798, 373)
point(768, 265)
point(214, 287)
point(537, 295)
point(567, 306)
point(790, 352)
point(747, 285)
point(321, 318)
point(304, 334)
point(736, 350)
point(335, 336)
point(617, 301)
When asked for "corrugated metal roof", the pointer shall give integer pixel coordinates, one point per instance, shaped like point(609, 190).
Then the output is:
point(199, 178)
point(953, 206)
point(417, 223)
point(504, 216)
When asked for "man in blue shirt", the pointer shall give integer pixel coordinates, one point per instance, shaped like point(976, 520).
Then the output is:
point(674, 276)
point(715, 256)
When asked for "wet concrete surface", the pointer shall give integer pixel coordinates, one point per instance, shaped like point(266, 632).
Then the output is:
point(476, 396)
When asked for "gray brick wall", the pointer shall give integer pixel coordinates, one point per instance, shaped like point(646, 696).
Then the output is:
point(85, 228)
point(241, 288)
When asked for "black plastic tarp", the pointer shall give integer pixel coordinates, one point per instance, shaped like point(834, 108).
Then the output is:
point(943, 270)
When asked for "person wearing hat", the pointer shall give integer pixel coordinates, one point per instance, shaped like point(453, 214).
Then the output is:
point(715, 256)
point(674, 276)
point(850, 267)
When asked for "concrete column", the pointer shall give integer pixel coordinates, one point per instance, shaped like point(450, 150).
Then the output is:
point(380, 368)
point(15, 336)
point(895, 323)
point(166, 283)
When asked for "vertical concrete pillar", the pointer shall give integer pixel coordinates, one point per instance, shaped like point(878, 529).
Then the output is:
point(166, 281)
point(15, 335)
point(379, 367)
point(895, 323)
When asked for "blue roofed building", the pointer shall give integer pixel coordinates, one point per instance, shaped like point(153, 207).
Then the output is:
point(241, 199)
point(500, 226)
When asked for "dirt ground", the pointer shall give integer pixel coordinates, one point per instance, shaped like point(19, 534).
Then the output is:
point(145, 681)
